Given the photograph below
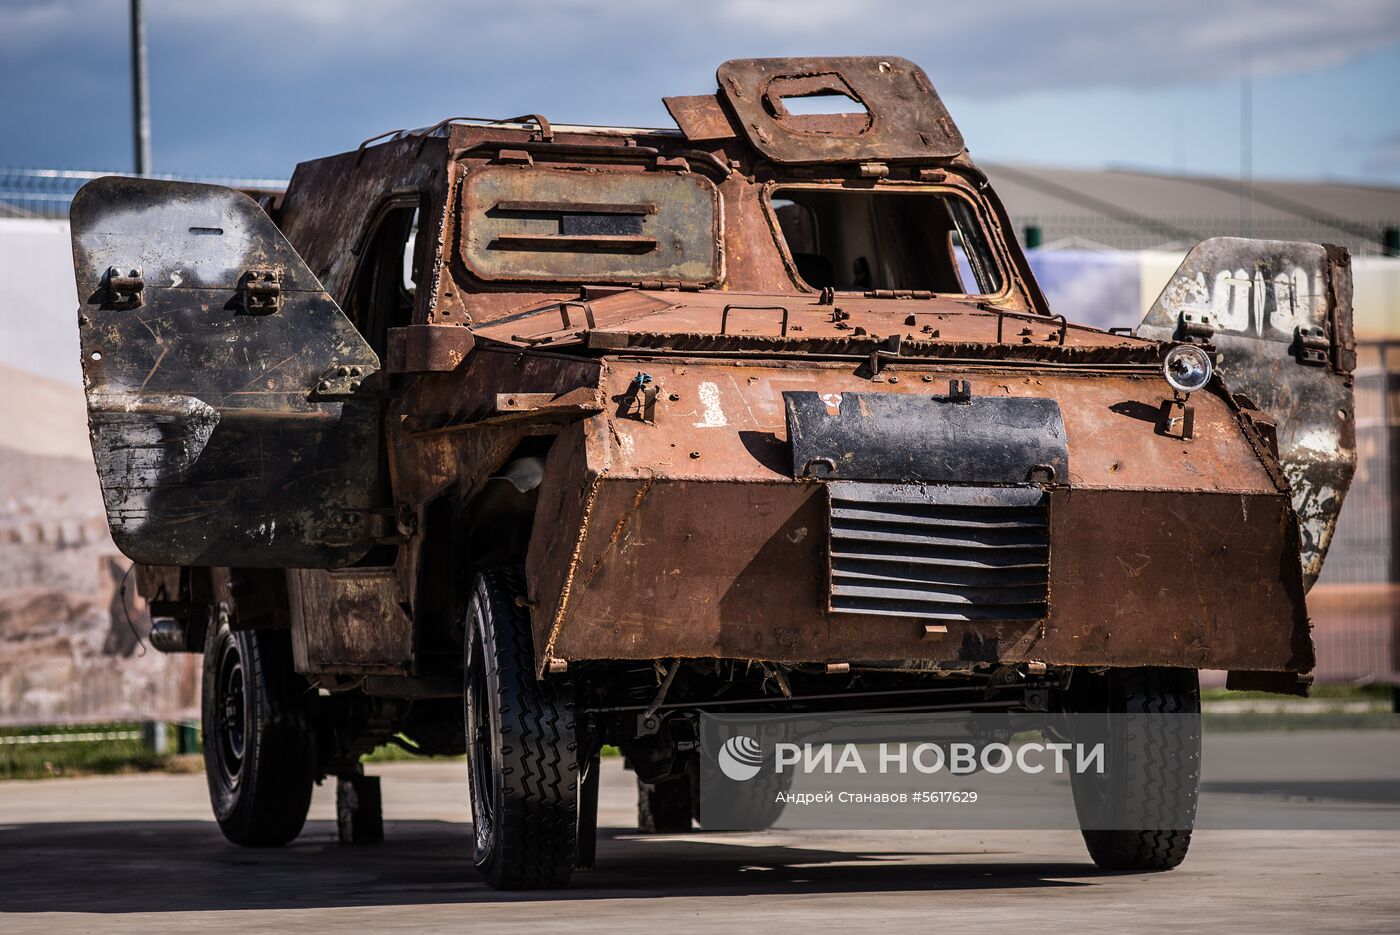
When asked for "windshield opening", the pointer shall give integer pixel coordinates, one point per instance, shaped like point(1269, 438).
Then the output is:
point(865, 240)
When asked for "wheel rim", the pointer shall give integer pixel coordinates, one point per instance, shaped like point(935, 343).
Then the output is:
point(231, 724)
point(481, 755)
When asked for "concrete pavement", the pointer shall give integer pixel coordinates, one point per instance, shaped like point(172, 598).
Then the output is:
point(140, 854)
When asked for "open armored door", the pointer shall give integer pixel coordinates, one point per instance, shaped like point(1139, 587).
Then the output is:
point(1279, 315)
point(228, 408)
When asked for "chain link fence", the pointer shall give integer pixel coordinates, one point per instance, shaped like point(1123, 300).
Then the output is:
point(1355, 606)
point(1081, 232)
point(47, 193)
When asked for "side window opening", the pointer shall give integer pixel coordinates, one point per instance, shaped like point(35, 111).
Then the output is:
point(383, 294)
point(864, 240)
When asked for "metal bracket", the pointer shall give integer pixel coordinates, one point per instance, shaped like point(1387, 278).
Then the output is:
point(643, 391)
point(880, 356)
point(1310, 345)
point(724, 315)
point(1197, 327)
point(125, 287)
point(340, 380)
point(262, 291)
point(1176, 419)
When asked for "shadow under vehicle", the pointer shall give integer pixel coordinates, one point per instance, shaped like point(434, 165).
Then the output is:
point(515, 440)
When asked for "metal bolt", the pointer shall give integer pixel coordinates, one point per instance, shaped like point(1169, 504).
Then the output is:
point(695, 454)
point(354, 385)
point(674, 396)
point(324, 386)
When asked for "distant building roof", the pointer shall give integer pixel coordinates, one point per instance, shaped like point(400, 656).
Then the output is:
point(1114, 209)
point(1135, 210)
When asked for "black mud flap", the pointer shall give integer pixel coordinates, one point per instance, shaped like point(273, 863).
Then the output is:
point(956, 438)
point(1279, 315)
point(230, 402)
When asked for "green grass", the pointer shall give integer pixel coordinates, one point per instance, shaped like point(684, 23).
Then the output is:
point(1328, 707)
point(81, 757)
point(391, 753)
point(1261, 711)
point(1331, 693)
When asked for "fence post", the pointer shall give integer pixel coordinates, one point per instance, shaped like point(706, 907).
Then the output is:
point(155, 737)
point(187, 737)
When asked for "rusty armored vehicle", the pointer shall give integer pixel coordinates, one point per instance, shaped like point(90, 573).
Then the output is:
point(513, 440)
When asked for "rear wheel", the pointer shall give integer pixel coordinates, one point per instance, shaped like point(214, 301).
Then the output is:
point(665, 807)
point(1139, 812)
point(521, 749)
point(753, 805)
point(259, 751)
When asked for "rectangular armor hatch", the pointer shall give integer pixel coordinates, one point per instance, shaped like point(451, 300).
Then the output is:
point(530, 224)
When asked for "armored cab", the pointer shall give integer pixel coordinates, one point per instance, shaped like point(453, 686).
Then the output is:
point(595, 428)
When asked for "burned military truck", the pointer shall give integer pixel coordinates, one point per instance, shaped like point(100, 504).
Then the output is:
point(514, 440)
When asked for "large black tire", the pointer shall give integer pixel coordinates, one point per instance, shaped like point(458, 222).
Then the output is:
point(1144, 805)
point(753, 805)
point(259, 748)
point(665, 807)
point(521, 749)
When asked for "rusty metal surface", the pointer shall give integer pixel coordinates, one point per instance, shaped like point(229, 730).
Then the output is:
point(214, 441)
point(537, 224)
point(927, 327)
point(350, 621)
point(695, 541)
point(1279, 314)
point(427, 348)
point(898, 113)
point(646, 372)
point(701, 117)
point(752, 584)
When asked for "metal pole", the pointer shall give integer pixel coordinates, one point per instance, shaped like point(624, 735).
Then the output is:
point(140, 96)
point(1247, 143)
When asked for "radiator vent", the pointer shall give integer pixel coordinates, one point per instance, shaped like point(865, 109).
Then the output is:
point(936, 552)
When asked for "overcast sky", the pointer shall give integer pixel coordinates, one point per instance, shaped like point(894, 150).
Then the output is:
point(249, 87)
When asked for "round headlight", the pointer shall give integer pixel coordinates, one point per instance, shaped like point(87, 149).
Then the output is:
point(1187, 368)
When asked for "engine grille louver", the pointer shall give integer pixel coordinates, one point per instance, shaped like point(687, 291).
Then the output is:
point(939, 552)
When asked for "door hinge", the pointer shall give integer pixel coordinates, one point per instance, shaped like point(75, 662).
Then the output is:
point(1310, 345)
point(1195, 327)
point(262, 291)
point(125, 287)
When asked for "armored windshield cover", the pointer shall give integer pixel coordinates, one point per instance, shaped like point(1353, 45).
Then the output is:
point(873, 108)
point(1278, 314)
point(561, 225)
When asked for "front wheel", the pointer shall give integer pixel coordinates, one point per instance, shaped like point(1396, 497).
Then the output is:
point(1138, 813)
point(521, 750)
point(259, 750)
